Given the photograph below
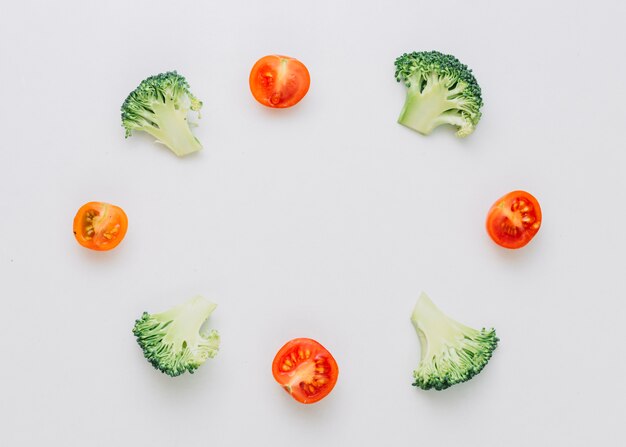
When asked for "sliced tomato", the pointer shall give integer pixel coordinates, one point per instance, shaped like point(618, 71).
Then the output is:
point(279, 81)
point(100, 226)
point(514, 219)
point(305, 369)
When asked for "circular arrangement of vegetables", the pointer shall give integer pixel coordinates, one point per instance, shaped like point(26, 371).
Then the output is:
point(440, 91)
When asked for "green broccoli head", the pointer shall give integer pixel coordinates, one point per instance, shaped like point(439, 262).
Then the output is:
point(451, 352)
point(172, 340)
point(160, 106)
point(441, 90)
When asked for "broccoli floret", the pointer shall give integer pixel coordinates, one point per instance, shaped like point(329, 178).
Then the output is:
point(441, 90)
point(451, 352)
point(160, 106)
point(172, 340)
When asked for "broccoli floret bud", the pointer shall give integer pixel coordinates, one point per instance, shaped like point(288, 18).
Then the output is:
point(172, 341)
point(451, 352)
point(160, 106)
point(441, 90)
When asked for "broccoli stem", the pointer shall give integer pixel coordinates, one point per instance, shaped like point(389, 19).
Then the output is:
point(422, 110)
point(173, 129)
point(428, 319)
point(453, 118)
point(191, 314)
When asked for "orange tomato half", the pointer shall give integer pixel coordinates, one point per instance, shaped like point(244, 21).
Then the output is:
point(100, 226)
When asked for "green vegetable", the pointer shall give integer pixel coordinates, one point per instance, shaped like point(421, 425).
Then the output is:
point(160, 106)
point(441, 90)
point(451, 352)
point(172, 340)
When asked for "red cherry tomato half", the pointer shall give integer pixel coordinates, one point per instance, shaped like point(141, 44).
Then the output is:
point(514, 219)
point(100, 226)
point(279, 81)
point(305, 369)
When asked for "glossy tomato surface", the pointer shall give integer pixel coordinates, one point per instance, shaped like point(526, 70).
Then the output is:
point(279, 81)
point(514, 219)
point(305, 369)
point(100, 226)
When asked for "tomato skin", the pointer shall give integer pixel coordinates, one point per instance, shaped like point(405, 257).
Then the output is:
point(100, 226)
point(279, 81)
point(514, 219)
point(305, 369)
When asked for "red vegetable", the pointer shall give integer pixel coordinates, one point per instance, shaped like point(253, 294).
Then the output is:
point(279, 81)
point(514, 219)
point(305, 369)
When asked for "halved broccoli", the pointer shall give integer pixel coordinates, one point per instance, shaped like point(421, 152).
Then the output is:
point(160, 106)
point(441, 90)
point(172, 341)
point(451, 352)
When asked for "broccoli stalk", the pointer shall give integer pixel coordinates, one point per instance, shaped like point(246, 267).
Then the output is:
point(172, 341)
point(441, 90)
point(451, 352)
point(160, 106)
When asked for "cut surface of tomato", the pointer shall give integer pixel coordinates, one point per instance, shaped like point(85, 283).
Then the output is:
point(100, 226)
point(279, 81)
point(514, 219)
point(305, 369)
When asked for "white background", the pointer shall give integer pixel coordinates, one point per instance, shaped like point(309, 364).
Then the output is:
point(325, 220)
